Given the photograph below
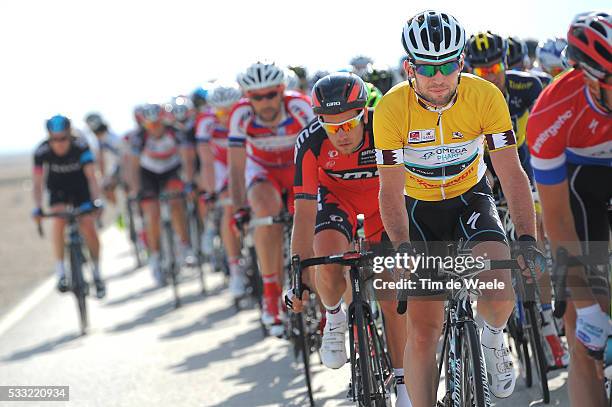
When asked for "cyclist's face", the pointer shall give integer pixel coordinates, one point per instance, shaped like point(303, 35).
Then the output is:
point(345, 141)
point(267, 102)
point(596, 86)
point(59, 142)
point(494, 73)
point(438, 89)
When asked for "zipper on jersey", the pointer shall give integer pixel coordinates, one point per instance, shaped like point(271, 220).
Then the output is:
point(442, 144)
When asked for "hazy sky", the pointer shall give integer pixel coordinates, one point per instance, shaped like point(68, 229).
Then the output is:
point(76, 56)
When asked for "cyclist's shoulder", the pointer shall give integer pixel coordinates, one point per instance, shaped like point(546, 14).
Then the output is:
point(241, 109)
point(563, 93)
point(396, 97)
point(42, 150)
point(80, 143)
point(298, 103)
point(311, 137)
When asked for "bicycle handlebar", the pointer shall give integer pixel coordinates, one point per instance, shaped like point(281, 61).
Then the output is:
point(270, 220)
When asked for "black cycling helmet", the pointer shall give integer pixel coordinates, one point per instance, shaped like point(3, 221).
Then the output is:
point(485, 48)
point(95, 122)
point(532, 45)
point(381, 78)
point(517, 51)
point(339, 92)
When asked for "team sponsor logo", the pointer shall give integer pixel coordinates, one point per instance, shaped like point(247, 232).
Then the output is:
point(64, 168)
point(330, 164)
point(593, 126)
point(332, 153)
point(518, 85)
point(421, 136)
point(429, 185)
point(457, 135)
point(304, 134)
point(445, 154)
point(358, 174)
point(367, 157)
point(551, 131)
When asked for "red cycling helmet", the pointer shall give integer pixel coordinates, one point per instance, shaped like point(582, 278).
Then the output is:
point(590, 42)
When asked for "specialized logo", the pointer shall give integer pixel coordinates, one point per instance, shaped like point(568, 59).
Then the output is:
point(552, 131)
point(336, 218)
point(421, 136)
point(457, 135)
point(472, 220)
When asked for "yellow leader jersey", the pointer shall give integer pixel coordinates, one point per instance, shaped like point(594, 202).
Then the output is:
point(441, 150)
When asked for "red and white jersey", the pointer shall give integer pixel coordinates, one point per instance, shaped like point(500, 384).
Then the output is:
point(270, 146)
point(210, 130)
point(565, 126)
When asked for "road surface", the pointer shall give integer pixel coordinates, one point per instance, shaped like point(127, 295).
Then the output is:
point(140, 351)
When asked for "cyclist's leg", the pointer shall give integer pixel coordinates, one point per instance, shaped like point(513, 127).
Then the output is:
point(172, 183)
point(589, 206)
point(334, 229)
point(150, 188)
point(264, 197)
point(424, 314)
point(57, 203)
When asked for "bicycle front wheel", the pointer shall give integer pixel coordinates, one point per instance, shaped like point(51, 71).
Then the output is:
point(364, 381)
point(475, 384)
point(537, 348)
point(79, 286)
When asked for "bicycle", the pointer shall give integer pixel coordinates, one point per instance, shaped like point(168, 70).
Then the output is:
point(135, 231)
point(74, 247)
point(371, 371)
point(211, 245)
point(194, 231)
point(169, 263)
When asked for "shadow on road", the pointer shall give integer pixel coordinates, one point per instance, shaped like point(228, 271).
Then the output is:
point(224, 351)
point(204, 323)
point(48, 346)
point(133, 296)
point(153, 314)
point(123, 273)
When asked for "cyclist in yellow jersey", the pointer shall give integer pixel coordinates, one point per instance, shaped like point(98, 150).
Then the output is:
point(430, 133)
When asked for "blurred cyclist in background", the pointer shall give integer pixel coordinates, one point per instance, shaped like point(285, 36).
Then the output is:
point(548, 56)
point(66, 164)
point(182, 117)
point(108, 150)
point(212, 139)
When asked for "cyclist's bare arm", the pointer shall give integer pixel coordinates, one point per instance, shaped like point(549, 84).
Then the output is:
point(90, 173)
point(561, 230)
point(132, 177)
point(392, 204)
point(37, 191)
point(302, 237)
point(101, 162)
point(188, 155)
point(515, 184)
point(237, 159)
point(207, 167)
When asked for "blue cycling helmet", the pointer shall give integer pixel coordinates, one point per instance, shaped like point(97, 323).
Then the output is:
point(199, 96)
point(58, 123)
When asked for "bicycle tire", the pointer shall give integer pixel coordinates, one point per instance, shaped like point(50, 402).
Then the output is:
point(537, 348)
point(305, 351)
point(479, 391)
point(365, 373)
point(195, 233)
point(78, 287)
point(171, 263)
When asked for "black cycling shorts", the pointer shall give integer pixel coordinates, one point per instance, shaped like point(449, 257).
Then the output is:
point(590, 190)
point(151, 183)
point(74, 196)
point(471, 217)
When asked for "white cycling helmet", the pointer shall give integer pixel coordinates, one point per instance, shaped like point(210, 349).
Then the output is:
point(433, 36)
point(292, 82)
point(224, 95)
point(261, 75)
point(548, 53)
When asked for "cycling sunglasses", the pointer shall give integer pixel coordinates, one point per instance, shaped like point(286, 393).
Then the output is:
point(259, 97)
point(487, 70)
point(58, 139)
point(347, 125)
point(431, 70)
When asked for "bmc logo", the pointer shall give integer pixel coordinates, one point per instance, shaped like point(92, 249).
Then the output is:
point(328, 104)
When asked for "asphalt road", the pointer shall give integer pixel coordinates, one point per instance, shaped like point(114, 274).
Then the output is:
point(140, 351)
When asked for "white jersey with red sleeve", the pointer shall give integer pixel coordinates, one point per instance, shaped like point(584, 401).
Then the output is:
point(211, 131)
point(270, 146)
point(566, 127)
